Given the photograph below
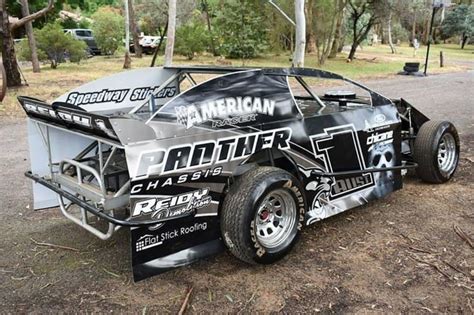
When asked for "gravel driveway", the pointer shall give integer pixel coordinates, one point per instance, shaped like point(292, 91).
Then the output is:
point(400, 254)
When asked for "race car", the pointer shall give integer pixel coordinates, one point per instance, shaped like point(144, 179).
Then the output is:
point(193, 160)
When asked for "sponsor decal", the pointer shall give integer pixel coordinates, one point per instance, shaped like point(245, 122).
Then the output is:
point(104, 96)
point(325, 148)
point(58, 114)
point(148, 241)
point(230, 107)
point(139, 94)
point(181, 179)
point(378, 122)
point(380, 139)
point(234, 121)
point(119, 95)
point(164, 207)
point(211, 152)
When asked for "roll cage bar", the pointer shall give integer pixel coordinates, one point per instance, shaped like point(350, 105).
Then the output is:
point(186, 72)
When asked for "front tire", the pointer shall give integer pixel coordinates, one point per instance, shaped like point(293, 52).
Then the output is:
point(436, 151)
point(262, 215)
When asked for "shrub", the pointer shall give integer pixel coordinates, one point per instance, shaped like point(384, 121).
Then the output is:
point(68, 23)
point(54, 45)
point(191, 38)
point(241, 29)
point(108, 30)
point(57, 45)
point(399, 33)
point(24, 52)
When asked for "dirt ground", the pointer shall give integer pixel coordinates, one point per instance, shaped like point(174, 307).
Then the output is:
point(397, 255)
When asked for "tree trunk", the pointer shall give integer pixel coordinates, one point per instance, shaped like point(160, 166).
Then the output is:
point(389, 33)
point(134, 29)
point(413, 29)
point(127, 63)
point(171, 31)
point(300, 38)
point(157, 49)
point(25, 11)
point(353, 51)
point(8, 51)
point(464, 40)
point(338, 34)
point(311, 38)
point(209, 28)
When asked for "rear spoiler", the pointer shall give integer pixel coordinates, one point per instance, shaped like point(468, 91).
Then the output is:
point(68, 116)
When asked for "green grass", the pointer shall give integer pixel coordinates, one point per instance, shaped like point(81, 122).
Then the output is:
point(371, 62)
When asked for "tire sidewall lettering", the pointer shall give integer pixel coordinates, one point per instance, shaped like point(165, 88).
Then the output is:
point(289, 184)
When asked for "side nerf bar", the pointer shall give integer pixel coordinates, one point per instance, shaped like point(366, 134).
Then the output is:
point(94, 210)
point(367, 170)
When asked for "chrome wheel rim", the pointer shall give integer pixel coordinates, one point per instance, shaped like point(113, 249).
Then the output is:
point(447, 154)
point(275, 220)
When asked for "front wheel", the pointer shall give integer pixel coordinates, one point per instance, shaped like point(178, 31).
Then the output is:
point(262, 215)
point(436, 151)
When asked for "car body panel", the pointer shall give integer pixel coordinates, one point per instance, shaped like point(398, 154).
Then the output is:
point(184, 150)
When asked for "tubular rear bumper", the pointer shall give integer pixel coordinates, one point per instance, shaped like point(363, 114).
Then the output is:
point(93, 210)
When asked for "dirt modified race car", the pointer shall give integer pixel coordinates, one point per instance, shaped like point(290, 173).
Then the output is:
point(193, 160)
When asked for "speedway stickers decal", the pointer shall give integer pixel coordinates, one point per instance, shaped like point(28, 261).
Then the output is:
point(123, 91)
point(118, 96)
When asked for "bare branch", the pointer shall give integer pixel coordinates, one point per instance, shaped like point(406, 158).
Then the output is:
point(33, 16)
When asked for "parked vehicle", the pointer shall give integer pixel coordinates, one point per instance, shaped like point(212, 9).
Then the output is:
point(148, 44)
point(241, 161)
point(86, 36)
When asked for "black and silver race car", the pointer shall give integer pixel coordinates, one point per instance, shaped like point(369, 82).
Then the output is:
point(196, 159)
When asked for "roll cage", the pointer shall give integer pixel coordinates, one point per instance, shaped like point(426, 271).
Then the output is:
point(150, 108)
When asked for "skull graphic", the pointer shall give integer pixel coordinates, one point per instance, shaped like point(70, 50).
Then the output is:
point(382, 156)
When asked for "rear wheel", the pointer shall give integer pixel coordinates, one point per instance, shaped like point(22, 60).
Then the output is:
point(436, 151)
point(262, 215)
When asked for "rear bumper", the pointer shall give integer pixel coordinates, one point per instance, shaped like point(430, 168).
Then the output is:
point(94, 210)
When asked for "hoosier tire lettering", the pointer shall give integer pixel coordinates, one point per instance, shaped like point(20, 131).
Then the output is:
point(243, 206)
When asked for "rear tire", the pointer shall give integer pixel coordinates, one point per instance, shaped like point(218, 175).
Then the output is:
point(262, 215)
point(436, 151)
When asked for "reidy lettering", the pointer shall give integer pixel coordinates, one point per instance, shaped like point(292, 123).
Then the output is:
point(197, 114)
point(103, 96)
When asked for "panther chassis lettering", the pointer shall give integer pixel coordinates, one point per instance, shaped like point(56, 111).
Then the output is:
point(206, 153)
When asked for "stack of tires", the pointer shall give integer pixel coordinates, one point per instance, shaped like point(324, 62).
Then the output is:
point(411, 67)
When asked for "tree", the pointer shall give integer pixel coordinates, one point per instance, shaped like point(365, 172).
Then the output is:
point(8, 47)
point(206, 8)
point(324, 26)
point(241, 29)
point(362, 18)
point(171, 32)
point(191, 38)
point(338, 41)
point(108, 29)
point(300, 34)
point(25, 11)
point(459, 22)
point(386, 8)
point(134, 29)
